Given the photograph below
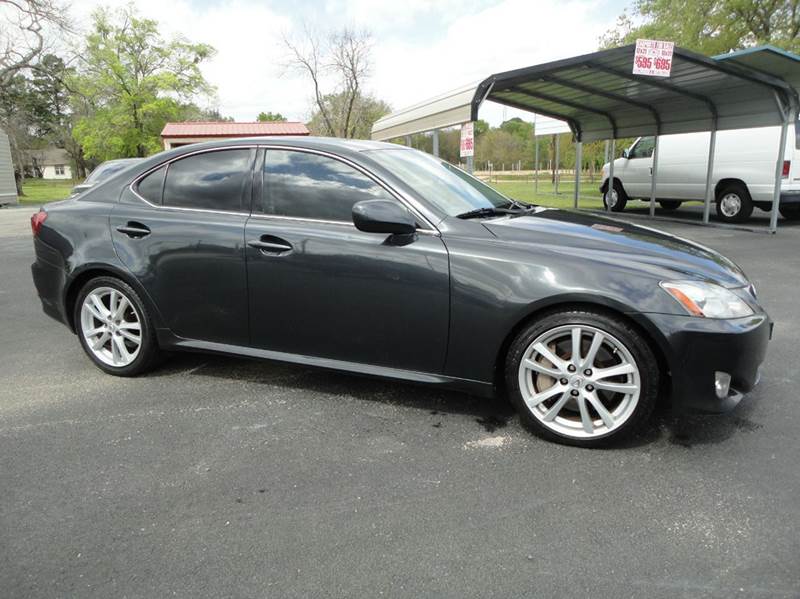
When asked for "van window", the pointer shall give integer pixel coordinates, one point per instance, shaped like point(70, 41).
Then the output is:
point(643, 148)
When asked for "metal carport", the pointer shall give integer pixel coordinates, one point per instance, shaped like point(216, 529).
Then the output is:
point(599, 98)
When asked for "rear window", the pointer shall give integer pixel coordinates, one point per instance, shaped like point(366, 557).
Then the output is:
point(152, 186)
point(214, 180)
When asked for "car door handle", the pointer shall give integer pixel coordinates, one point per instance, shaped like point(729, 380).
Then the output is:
point(270, 245)
point(134, 230)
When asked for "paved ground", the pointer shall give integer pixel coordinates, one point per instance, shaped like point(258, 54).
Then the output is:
point(220, 477)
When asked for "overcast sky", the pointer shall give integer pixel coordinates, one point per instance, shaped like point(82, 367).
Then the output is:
point(421, 47)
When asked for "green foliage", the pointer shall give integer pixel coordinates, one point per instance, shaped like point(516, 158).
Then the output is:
point(711, 26)
point(134, 81)
point(265, 117)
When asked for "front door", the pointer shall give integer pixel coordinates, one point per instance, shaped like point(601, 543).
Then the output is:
point(320, 287)
point(637, 169)
point(187, 250)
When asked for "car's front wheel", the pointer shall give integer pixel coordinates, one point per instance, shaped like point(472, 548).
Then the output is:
point(114, 327)
point(582, 377)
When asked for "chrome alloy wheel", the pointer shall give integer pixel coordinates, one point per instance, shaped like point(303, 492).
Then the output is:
point(579, 381)
point(111, 326)
point(730, 204)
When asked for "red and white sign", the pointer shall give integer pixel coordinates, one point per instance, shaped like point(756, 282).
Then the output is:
point(653, 58)
point(467, 139)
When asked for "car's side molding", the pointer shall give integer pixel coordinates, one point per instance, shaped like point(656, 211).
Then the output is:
point(169, 341)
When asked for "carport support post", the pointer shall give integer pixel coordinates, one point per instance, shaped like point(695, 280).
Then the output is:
point(436, 142)
point(610, 186)
point(578, 159)
point(709, 176)
point(536, 167)
point(555, 177)
point(408, 141)
point(653, 176)
point(776, 193)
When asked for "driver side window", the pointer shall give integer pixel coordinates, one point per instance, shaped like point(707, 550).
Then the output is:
point(643, 148)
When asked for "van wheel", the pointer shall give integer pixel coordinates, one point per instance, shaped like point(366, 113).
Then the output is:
point(791, 212)
point(616, 200)
point(733, 203)
point(669, 204)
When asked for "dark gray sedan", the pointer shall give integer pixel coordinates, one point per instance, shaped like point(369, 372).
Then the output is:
point(381, 260)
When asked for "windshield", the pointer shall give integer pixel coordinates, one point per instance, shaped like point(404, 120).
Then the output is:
point(105, 170)
point(443, 185)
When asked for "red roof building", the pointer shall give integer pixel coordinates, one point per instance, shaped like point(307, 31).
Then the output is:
point(175, 135)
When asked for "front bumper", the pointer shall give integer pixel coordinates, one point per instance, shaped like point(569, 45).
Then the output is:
point(701, 347)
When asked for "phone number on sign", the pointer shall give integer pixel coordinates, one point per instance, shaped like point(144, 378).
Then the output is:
point(661, 64)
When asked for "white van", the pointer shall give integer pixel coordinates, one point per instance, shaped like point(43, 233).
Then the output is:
point(744, 172)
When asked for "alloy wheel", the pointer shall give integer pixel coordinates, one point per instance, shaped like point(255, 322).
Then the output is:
point(579, 381)
point(111, 326)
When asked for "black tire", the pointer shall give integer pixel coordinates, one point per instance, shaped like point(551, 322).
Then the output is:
point(625, 333)
point(790, 212)
point(622, 197)
point(149, 353)
point(740, 196)
point(670, 204)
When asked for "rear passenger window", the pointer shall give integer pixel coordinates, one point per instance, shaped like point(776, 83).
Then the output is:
point(304, 185)
point(152, 185)
point(210, 181)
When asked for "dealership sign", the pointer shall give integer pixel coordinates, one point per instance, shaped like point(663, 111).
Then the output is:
point(653, 58)
point(467, 139)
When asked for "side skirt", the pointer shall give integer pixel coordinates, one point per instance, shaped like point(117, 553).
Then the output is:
point(170, 342)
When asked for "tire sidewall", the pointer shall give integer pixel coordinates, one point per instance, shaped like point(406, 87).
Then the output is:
point(149, 347)
point(626, 334)
point(622, 198)
point(746, 203)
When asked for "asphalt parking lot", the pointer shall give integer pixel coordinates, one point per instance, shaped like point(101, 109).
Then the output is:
point(221, 477)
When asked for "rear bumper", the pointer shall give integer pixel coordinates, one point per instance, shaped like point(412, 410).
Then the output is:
point(49, 277)
point(702, 347)
point(790, 196)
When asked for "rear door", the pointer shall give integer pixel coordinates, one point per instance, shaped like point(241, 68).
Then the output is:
point(320, 287)
point(182, 234)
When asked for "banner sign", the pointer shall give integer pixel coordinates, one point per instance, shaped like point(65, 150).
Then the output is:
point(653, 58)
point(467, 139)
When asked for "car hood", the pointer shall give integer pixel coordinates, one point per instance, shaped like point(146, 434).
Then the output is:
point(603, 239)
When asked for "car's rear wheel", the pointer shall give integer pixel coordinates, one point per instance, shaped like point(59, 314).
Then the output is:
point(734, 204)
point(582, 378)
point(114, 327)
point(615, 199)
point(669, 204)
point(790, 212)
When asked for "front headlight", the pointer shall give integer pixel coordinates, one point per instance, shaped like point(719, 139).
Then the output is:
point(707, 299)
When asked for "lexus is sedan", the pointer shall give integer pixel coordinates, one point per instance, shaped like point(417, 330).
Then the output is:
point(381, 260)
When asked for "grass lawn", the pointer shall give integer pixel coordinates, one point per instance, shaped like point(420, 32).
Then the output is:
point(39, 191)
point(524, 191)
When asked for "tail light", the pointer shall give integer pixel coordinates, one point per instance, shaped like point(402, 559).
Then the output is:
point(37, 220)
point(787, 164)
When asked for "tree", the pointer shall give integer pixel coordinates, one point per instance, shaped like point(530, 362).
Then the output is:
point(343, 56)
point(135, 81)
point(343, 113)
point(711, 26)
point(266, 117)
point(25, 26)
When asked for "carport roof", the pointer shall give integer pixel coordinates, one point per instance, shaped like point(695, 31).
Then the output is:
point(600, 98)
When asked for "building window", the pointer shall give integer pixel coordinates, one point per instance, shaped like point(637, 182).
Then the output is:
point(59, 169)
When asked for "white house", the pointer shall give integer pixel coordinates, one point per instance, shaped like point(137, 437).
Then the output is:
point(8, 188)
point(52, 163)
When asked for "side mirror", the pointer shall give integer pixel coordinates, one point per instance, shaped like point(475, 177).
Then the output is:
point(625, 154)
point(383, 216)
